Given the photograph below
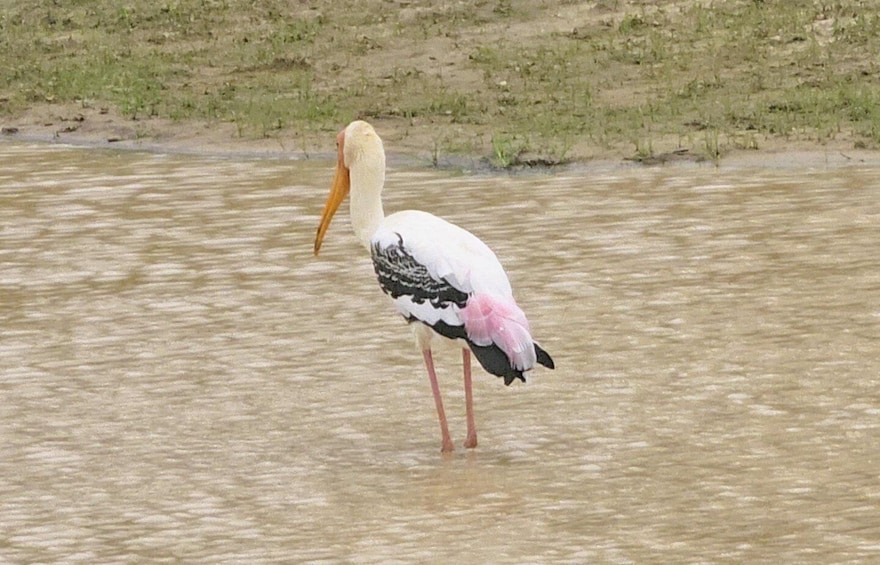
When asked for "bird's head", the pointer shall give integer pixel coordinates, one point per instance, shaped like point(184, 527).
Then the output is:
point(358, 146)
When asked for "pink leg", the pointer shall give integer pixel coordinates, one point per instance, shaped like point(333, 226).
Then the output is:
point(438, 401)
point(471, 440)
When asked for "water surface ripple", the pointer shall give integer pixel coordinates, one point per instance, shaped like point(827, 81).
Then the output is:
point(181, 381)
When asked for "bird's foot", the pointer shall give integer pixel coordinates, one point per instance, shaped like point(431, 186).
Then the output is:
point(471, 441)
point(448, 447)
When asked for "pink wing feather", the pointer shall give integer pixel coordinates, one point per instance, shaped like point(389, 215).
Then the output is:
point(489, 319)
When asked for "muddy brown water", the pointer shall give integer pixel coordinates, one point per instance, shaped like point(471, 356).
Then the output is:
point(182, 381)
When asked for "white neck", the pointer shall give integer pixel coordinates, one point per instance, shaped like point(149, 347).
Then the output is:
point(367, 179)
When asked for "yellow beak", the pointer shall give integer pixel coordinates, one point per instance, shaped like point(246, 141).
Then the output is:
point(338, 191)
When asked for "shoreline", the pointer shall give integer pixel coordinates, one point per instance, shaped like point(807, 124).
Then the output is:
point(99, 129)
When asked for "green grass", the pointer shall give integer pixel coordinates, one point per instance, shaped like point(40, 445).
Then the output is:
point(636, 80)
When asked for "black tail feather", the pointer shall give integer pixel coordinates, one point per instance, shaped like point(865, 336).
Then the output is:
point(544, 357)
point(495, 361)
point(491, 357)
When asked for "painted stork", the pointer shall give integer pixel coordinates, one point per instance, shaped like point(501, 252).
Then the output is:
point(441, 278)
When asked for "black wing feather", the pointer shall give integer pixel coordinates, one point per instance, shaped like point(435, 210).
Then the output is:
point(400, 274)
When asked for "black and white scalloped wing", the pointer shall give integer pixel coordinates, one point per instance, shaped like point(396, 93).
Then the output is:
point(415, 292)
point(430, 267)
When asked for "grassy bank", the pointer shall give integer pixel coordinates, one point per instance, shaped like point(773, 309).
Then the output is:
point(513, 80)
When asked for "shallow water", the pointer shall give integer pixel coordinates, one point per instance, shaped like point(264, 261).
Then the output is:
point(181, 380)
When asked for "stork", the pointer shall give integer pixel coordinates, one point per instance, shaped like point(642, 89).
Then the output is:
point(442, 279)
